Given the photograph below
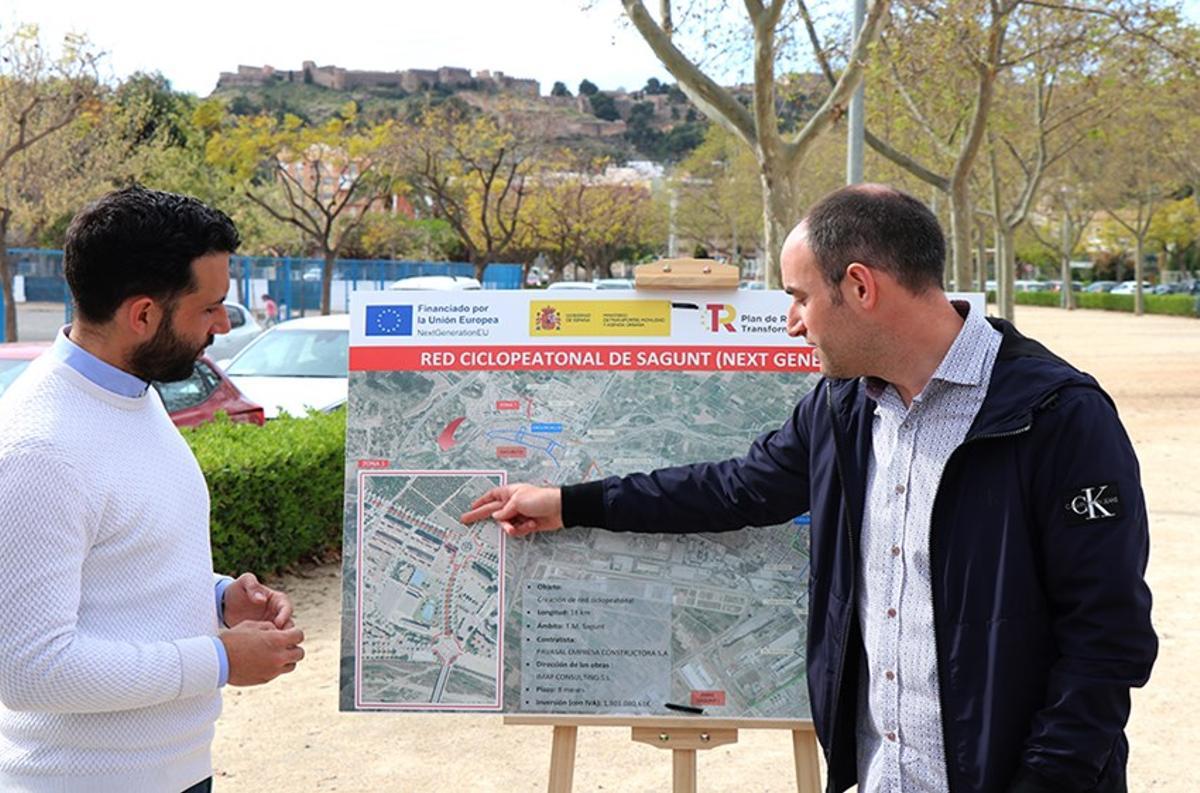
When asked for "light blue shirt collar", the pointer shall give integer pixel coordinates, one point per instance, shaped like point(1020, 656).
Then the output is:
point(105, 375)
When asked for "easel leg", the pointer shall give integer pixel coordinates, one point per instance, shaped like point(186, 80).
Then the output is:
point(808, 774)
point(683, 770)
point(562, 760)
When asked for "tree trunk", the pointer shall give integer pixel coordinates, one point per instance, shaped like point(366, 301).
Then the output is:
point(1139, 301)
point(1068, 293)
point(1010, 273)
point(1006, 267)
point(6, 278)
point(960, 235)
point(1067, 234)
point(998, 259)
point(480, 261)
point(780, 214)
point(327, 281)
point(980, 258)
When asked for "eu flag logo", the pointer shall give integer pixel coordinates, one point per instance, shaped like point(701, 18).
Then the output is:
point(389, 320)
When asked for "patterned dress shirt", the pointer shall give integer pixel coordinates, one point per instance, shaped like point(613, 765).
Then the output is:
point(900, 742)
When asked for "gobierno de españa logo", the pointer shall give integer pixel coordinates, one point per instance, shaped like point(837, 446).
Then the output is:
point(548, 319)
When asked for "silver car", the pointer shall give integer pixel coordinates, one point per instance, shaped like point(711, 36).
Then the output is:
point(243, 329)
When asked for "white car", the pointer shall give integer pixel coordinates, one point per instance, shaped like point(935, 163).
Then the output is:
point(437, 282)
point(243, 329)
point(571, 285)
point(1130, 287)
point(296, 366)
point(614, 283)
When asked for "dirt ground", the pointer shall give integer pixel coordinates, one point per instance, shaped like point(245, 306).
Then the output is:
point(290, 736)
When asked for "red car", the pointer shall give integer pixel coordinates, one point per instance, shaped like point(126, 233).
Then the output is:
point(190, 402)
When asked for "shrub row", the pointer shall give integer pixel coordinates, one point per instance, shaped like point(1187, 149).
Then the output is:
point(276, 490)
point(1175, 305)
point(1039, 298)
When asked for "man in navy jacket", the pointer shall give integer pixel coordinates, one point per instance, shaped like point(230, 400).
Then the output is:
point(1021, 617)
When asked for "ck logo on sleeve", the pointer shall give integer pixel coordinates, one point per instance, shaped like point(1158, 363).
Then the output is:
point(1095, 502)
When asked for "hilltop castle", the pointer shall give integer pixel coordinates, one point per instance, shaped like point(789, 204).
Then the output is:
point(410, 80)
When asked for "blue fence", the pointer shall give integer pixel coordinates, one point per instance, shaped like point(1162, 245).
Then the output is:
point(294, 283)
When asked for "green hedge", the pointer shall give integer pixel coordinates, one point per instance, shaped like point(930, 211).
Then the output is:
point(1038, 298)
point(1174, 305)
point(276, 490)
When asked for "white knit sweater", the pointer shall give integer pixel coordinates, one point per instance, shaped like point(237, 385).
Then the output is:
point(108, 670)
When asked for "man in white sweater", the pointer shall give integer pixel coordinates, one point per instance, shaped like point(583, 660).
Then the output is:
point(111, 659)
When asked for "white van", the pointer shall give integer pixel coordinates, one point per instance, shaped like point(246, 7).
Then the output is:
point(437, 282)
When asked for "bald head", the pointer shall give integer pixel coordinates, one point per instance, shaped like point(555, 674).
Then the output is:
point(875, 225)
point(796, 238)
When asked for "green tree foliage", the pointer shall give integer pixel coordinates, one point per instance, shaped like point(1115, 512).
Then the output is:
point(654, 87)
point(560, 89)
point(587, 87)
point(470, 171)
point(320, 180)
point(576, 216)
point(603, 106)
point(153, 111)
point(392, 235)
point(41, 94)
point(655, 144)
point(719, 197)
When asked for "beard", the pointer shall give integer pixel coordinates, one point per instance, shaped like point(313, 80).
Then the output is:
point(168, 357)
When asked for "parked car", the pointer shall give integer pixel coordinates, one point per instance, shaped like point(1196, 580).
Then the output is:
point(189, 402)
point(243, 328)
point(436, 282)
point(1177, 288)
point(1100, 286)
point(572, 285)
point(296, 365)
point(1129, 287)
point(1025, 285)
point(755, 283)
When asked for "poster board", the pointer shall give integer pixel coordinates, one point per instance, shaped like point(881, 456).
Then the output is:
point(451, 393)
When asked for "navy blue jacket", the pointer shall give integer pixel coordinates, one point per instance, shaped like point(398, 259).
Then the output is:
point(1038, 547)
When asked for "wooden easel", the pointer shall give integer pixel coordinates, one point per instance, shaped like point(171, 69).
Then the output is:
point(683, 735)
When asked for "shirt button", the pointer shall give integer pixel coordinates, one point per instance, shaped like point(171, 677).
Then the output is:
point(891, 612)
point(895, 550)
point(899, 490)
point(890, 675)
point(891, 736)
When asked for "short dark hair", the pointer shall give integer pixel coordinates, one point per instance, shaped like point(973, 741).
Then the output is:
point(880, 227)
point(136, 241)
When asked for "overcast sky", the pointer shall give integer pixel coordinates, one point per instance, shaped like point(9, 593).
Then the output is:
point(192, 42)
